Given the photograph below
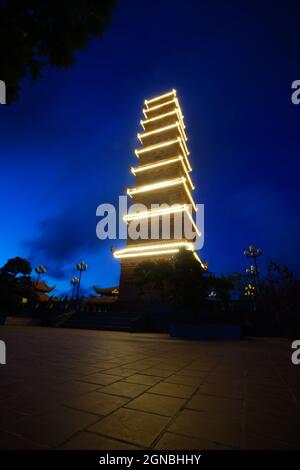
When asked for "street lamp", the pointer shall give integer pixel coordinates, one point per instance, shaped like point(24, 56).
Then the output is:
point(39, 270)
point(74, 281)
point(253, 253)
point(82, 266)
point(249, 290)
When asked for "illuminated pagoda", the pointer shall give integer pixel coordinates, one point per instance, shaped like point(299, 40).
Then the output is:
point(162, 178)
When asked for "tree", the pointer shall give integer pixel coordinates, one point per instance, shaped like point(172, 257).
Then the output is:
point(279, 299)
point(181, 282)
point(222, 287)
point(34, 34)
point(15, 283)
point(17, 265)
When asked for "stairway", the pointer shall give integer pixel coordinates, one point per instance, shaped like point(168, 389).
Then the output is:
point(115, 321)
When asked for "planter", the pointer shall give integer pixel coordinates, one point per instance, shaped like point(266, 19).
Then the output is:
point(205, 331)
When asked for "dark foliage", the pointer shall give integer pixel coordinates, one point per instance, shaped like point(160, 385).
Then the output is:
point(35, 33)
point(15, 284)
point(181, 283)
point(278, 302)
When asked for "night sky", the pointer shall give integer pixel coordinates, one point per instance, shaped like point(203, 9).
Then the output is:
point(67, 144)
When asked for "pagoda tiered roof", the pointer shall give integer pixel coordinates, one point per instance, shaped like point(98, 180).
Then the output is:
point(162, 176)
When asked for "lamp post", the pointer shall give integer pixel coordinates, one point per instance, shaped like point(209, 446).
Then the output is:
point(39, 270)
point(82, 266)
point(253, 253)
point(74, 281)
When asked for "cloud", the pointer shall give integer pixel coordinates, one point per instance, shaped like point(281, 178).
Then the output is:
point(65, 238)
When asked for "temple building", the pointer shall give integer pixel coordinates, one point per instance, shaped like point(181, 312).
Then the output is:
point(104, 300)
point(164, 187)
point(42, 290)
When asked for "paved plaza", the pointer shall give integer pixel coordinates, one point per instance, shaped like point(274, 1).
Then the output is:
point(79, 389)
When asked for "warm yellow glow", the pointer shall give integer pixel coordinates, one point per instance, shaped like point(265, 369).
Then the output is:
point(177, 107)
point(153, 213)
point(157, 98)
point(192, 220)
point(145, 111)
point(153, 186)
point(167, 161)
point(162, 116)
point(190, 196)
point(166, 144)
point(186, 171)
point(154, 147)
point(161, 185)
point(149, 253)
point(149, 166)
point(160, 212)
point(153, 249)
point(143, 247)
point(163, 129)
point(198, 259)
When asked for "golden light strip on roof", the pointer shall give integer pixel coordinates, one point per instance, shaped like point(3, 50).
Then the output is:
point(150, 148)
point(174, 100)
point(153, 186)
point(155, 246)
point(154, 249)
point(164, 129)
point(199, 260)
point(148, 253)
point(189, 194)
point(161, 212)
point(153, 213)
point(158, 106)
point(149, 166)
point(162, 116)
point(154, 147)
point(161, 185)
point(157, 98)
point(167, 161)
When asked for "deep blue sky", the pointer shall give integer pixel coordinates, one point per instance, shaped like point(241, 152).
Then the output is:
point(67, 144)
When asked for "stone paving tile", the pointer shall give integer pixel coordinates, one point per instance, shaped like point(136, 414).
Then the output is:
point(203, 425)
point(131, 426)
point(32, 402)
point(190, 373)
point(12, 442)
point(47, 368)
point(54, 428)
point(270, 403)
point(184, 380)
point(143, 379)
point(158, 372)
point(229, 391)
point(121, 371)
point(73, 388)
point(97, 403)
point(274, 426)
point(265, 443)
point(173, 390)
point(125, 389)
point(216, 405)
point(101, 379)
point(90, 441)
point(160, 404)
point(171, 441)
